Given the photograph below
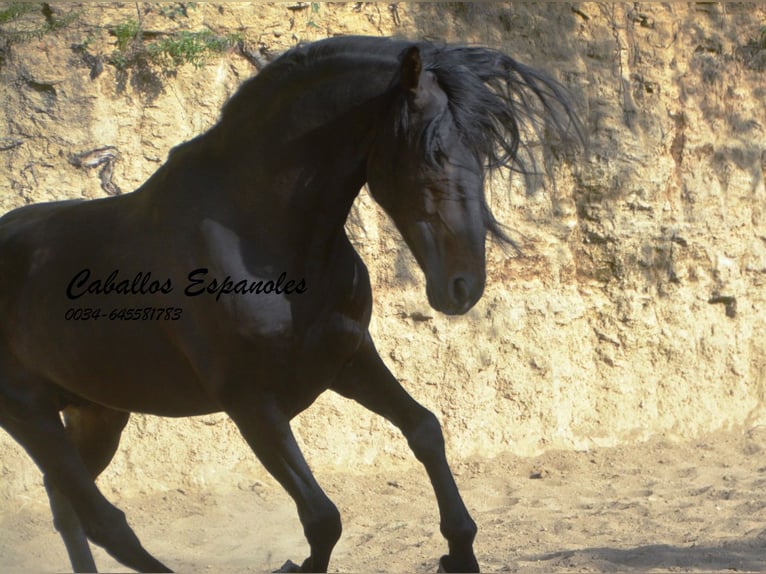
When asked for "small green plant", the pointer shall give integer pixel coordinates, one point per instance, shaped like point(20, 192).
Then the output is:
point(169, 52)
point(16, 28)
point(177, 9)
point(52, 23)
point(119, 60)
point(762, 38)
point(16, 10)
point(313, 12)
point(126, 47)
point(189, 48)
point(125, 33)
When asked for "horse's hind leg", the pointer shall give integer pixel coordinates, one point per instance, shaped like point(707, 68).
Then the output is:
point(367, 380)
point(36, 426)
point(95, 432)
point(68, 525)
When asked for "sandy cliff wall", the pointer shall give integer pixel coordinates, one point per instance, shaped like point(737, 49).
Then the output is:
point(637, 306)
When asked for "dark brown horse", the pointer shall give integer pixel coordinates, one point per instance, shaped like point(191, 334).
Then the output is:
point(227, 282)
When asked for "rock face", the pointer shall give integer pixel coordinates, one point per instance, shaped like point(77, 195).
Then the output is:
point(635, 307)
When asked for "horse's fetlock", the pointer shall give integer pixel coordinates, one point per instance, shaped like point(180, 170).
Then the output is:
point(460, 535)
point(325, 528)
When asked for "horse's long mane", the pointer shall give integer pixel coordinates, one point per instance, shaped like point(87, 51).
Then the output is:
point(496, 102)
point(491, 95)
point(494, 99)
point(500, 107)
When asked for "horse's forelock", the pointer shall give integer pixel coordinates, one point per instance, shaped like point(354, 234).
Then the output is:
point(496, 101)
point(497, 104)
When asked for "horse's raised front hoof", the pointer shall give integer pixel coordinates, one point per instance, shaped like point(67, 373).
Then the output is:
point(289, 566)
point(449, 564)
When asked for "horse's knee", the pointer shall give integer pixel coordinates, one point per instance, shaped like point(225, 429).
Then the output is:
point(425, 437)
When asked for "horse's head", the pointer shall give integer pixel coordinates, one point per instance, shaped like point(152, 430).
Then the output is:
point(454, 114)
point(431, 184)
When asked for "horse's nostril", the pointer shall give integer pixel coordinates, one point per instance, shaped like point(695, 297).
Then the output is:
point(460, 290)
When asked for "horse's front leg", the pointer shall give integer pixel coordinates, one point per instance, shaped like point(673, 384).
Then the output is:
point(267, 430)
point(367, 380)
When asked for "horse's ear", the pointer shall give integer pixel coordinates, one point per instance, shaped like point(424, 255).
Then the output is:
point(410, 69)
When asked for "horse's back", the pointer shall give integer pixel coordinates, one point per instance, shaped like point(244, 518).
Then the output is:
point(21, 234)
point(24, 222)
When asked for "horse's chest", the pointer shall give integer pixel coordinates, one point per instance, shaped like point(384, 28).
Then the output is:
point(296, 321)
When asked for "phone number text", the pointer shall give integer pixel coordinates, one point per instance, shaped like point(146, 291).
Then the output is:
point(123, 314)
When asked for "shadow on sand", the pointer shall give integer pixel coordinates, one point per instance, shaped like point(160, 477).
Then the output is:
point(747, 555)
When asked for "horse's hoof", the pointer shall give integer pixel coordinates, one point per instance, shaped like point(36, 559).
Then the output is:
point(447, 564)
point(289, 566)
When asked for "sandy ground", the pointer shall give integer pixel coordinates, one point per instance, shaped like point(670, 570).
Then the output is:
point(658, 507)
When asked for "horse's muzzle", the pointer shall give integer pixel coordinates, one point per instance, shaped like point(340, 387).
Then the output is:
point(460, 293)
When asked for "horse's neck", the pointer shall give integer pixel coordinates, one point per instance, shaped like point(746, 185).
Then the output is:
point(280, 107)
point(292, 163)
point(308, 144)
